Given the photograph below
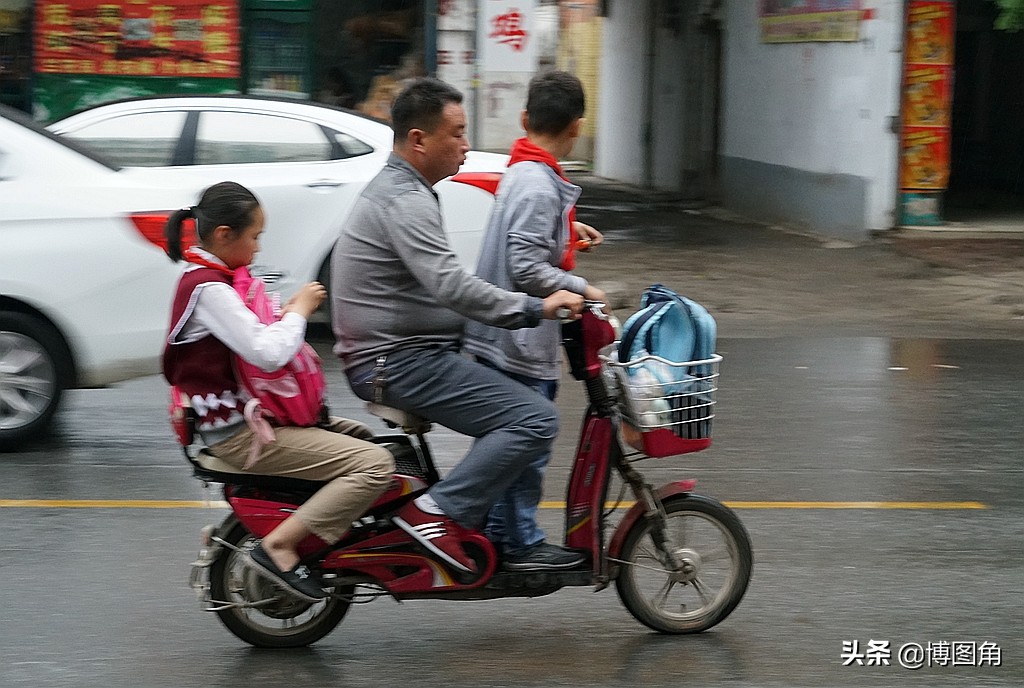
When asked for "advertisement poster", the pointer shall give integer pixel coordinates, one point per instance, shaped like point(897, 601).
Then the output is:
point(797, 21)
point(925, 157)
point(191, 38)
point(927, 96)
point(930, 33)
point(927, 103)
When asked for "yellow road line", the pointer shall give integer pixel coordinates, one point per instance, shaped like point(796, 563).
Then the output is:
point(857, 505)
point(108, 504)
point(185, 504)
point(816, 505)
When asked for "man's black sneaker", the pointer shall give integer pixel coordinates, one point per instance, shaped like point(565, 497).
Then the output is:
point(300, 581)
point(543, 557)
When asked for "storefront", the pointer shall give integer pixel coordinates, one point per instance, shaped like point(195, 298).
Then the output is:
point(364, 49)
point(962, 153)
point(91, 51)
point(352, 53)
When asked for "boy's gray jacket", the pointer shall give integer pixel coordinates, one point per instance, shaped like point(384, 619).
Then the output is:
point(522, 249)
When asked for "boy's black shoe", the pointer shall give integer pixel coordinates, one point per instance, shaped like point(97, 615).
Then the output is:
point(543, 557)
point(300, 581)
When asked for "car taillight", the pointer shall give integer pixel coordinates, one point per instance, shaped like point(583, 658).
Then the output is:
point(151, 227)
point(488, 181)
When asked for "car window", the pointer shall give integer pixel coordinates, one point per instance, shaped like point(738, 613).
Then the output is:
point(142, 139)
point(242, 137)
point(350, 145)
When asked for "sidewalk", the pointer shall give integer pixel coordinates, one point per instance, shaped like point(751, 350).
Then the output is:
point(760, 280)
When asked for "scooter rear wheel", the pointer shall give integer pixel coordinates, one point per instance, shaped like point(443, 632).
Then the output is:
point(276, 618)
point(714, 548)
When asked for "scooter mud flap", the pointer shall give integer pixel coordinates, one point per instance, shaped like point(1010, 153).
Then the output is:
point(637, 511)
point(396, 562)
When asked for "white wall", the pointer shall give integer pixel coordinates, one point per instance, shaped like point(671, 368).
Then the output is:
point(618, 149)
point(669, 108)
point(506, 68)
point(821, 108)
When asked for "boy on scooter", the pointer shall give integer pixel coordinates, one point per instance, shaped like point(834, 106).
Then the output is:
point(529, 247)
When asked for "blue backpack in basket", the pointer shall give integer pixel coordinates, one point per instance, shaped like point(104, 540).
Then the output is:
point(669, 326)
point(679, 330)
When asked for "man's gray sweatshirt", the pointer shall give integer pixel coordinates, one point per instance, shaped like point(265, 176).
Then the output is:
point(395, 282)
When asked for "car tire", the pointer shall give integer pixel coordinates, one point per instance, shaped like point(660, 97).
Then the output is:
point(35, 368)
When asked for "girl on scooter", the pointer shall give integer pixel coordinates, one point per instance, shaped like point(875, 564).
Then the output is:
point(209, 324)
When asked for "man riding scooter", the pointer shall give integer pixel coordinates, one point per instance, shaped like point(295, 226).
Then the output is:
point(400, 300)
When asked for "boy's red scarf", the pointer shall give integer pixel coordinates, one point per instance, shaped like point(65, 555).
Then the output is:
point(524, 150)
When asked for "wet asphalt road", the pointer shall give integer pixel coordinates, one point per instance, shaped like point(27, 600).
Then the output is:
point(880, 481)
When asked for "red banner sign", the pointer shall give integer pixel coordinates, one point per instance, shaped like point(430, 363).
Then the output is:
point(175, 38)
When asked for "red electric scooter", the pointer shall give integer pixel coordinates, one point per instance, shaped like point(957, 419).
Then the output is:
point(680, 561)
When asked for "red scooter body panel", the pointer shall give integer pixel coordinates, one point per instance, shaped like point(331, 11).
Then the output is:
point(637, 511)
point(399, 487)
point(587, 483)
point(262, 515)
point(387, 559)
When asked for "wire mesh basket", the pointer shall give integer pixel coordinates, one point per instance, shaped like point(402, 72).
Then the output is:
point(667, 407)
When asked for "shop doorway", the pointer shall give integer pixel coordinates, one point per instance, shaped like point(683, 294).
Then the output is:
point(364, 51)
point(986, 181)
point(15, 54)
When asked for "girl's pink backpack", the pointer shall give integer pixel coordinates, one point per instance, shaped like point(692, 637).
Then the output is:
point(294, 394)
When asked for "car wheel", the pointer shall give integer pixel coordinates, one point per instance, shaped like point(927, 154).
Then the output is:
point(33, 368)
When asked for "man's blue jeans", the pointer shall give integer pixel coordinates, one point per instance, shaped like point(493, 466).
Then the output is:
point(512, 522)
point(513, 425)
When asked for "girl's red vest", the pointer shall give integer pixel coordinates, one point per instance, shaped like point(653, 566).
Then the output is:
point(202, 369)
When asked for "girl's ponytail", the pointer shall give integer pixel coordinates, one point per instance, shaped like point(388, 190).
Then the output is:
point(172, 232)
point(226, 204)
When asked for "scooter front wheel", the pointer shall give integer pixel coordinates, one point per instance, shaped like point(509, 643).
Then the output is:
point(258, 611)
point(712, 547)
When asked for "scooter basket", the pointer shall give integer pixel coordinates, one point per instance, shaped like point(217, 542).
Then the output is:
point(667, 407)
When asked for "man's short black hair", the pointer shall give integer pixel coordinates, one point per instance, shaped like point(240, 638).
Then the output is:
point(420, 104)
point(554, 101)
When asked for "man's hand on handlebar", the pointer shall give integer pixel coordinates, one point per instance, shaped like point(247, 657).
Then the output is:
point(592, 294)
point(563, 305)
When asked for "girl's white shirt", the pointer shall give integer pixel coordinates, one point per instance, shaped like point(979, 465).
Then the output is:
point(220, 311)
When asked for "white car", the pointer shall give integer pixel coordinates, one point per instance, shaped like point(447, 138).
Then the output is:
point(307, 163)
point(84, 298)
point(85, 288)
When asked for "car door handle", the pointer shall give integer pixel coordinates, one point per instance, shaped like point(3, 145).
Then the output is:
point(324, 184)
point(267, 274)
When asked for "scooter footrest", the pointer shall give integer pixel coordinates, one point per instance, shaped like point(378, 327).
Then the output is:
point(541, 582)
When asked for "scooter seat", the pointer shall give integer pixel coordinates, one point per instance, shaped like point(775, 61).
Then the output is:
point(215, 470)
point(212, 469)
point(410, 423)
